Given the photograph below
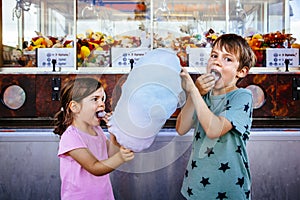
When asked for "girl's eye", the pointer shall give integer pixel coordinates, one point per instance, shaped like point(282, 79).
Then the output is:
point(99, 98)
point(104, 97)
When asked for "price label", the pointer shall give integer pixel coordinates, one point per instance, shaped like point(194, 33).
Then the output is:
point(64, 57)
point(121, 56)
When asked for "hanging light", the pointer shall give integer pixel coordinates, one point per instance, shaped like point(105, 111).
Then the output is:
point(89, 10)
point(21, 6)
point(96, 9)
point(240, 13)
point(162, 12)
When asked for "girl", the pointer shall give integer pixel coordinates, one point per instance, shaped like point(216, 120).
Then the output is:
point(219, 167)
point(84, 151)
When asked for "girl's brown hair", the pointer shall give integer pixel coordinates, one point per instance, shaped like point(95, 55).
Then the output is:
point(238, 46)
point(74, 90)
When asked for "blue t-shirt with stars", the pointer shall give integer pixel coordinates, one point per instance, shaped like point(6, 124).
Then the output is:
point(219, 168)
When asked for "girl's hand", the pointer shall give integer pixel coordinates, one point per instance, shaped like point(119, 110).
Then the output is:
point(126, 154)
point(107, 117)
point(205, 83)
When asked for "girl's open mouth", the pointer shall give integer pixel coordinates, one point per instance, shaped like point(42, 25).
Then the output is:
point(100, 114)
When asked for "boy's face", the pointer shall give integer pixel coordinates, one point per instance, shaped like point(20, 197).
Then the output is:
point(226, 64)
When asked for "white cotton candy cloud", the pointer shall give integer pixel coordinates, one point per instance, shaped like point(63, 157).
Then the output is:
point(150, 95)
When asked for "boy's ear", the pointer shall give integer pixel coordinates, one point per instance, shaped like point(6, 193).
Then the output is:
point(74, 107)
point(243, 72)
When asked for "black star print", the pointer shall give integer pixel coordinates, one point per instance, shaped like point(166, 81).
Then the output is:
point(224, 167)
point(233, 126)
point(246, 107)
point(205, 181)
point(227, 106)
point(227, 103)
point(186, 173)
point(245, 137)
point(246, 165)
point(246, 127)
point(198, 135)
point(194, 164)
point(240, 182)
point(239, 149)
point(250, 114)
point(247, 194)
point(209, 151)
point(221, 195)
point(189, 191)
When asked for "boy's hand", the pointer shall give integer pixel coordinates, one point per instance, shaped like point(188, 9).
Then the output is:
point(205, 83)
point(187, 82)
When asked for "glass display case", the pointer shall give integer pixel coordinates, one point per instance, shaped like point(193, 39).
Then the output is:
point(108, 33)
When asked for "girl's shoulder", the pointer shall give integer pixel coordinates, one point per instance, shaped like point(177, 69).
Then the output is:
point(99, 131)
point(70, 132)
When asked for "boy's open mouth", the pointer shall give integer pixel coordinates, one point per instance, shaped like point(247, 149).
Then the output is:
point(216, 74)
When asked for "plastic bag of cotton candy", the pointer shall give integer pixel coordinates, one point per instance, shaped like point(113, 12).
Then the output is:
point(150, 95)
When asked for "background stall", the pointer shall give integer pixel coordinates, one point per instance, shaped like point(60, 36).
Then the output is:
point(98, 38)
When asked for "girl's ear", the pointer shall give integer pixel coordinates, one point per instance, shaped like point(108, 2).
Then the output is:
point(74, 107)
point(243, 72)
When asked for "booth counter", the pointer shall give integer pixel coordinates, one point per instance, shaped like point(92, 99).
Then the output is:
point(30, 166)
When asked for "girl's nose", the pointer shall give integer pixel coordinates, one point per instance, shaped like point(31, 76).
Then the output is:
point(101, 103)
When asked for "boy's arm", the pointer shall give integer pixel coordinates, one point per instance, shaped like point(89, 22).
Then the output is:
point(213, 125)
point(185, 120)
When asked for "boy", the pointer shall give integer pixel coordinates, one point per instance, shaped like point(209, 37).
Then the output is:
point(222, 116)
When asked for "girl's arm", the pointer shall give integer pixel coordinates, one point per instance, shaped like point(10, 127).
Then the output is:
point(98, 168)
point(214, 126)
point(112, 145)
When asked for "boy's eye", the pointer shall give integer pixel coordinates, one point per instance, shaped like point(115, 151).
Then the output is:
point(213, 56)
point(228, 59)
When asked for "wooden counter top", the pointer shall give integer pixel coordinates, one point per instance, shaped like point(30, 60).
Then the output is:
point(119, 70)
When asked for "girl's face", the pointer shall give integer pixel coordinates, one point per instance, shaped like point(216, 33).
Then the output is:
point(90, 106)
point(225, 65)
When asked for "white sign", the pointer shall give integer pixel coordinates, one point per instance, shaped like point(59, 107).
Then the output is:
point(121, 56)
point(275, 57)
point(64, 57)
point(198, 57)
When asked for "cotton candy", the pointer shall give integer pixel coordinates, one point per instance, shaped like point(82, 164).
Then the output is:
point(150, 95)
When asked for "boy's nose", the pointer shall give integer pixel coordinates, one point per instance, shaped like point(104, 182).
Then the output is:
point(217, 62)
